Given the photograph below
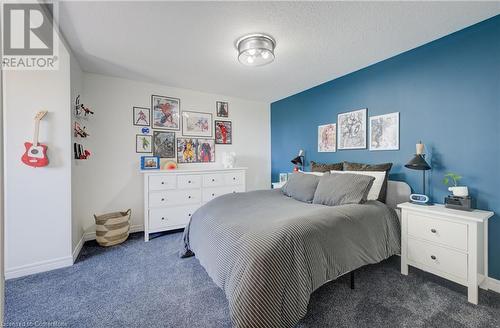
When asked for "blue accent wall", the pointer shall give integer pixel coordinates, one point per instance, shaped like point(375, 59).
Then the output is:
point(448, 96)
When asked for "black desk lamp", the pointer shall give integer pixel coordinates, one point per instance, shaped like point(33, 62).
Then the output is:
point(299, 161)
point(418, 163)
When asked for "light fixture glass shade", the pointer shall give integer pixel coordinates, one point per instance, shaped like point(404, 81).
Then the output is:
point(255, 49)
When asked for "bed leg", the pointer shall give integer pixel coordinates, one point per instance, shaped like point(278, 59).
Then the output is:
point(352, 279)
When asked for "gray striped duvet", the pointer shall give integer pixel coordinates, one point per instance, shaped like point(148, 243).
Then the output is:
point(269, 252)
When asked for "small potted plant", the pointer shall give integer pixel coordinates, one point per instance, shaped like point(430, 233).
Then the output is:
point(451, 180)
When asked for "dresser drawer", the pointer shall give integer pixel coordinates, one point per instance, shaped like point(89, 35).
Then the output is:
point(236, 178)
point(211, 193)
point(213, 180)
point(162, 182)
point(166, 217)
point(438, 258)
point(447, 233)
point(188, 181)
point(174, 197)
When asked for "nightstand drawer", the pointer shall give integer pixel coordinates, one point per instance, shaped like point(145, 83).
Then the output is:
point(439, 231)
point(438, 258)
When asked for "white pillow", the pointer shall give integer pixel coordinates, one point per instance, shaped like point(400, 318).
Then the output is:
point(377, 183)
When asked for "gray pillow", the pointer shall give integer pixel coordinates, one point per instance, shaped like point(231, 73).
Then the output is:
point(339, 189)
point(301, 186)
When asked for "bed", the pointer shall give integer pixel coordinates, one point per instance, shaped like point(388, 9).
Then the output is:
point(269, 252)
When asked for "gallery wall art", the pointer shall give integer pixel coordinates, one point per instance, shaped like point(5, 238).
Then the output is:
point(223, 132)
point(196, 124)
point(141, 116)
point(327, 138)
point(195, 150)
point(143, 143)
point(222, 108)
point(352, 129)
point(384, 132)
point(165, 113)
point(164, 144)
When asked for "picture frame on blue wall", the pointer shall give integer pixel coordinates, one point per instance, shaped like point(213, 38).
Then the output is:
point(384, 132)
point(352, 129)
point(327, 138)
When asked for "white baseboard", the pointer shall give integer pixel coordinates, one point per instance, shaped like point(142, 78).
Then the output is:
point(91, 234)
point(78, 248)
point(38, 267)
point(493, 285)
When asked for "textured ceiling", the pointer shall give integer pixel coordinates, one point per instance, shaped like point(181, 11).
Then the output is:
point(191, 44)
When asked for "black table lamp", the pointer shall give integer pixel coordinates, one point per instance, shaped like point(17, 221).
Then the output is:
point(418, 163)
point(299, 160)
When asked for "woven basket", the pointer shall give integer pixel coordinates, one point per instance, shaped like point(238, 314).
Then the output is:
point(112, 228)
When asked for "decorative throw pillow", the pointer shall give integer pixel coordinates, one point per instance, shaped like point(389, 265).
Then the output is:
point(340, 189)
point(374, 192)
point(323, 167)
point(348, 166)
point(301, 186)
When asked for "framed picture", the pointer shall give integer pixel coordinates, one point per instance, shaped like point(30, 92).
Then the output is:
point(150, 163)
point(283, 177)
point(384, 132)
point(196, 124)
point(327, 138)
point(141, 116)
point(143, 143)
point(223, 132)
point(352, 130)
point(164, 144)
point(193, 150)
point(165, 113)
point(222, 108)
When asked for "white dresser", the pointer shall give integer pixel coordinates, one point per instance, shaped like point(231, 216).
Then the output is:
point(450, 243)
point(171, 197)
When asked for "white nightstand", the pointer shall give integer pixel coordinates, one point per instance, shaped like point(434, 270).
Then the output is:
point(450, 243)
point(277, 185)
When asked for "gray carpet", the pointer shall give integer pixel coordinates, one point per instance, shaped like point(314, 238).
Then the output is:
point(140, 284)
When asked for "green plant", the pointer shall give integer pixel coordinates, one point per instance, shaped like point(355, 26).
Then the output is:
point(451, 177)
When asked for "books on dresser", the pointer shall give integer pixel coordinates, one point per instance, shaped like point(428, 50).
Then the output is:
point(171, 197)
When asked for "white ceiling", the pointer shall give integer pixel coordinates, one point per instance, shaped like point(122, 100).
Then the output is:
point(191, 44)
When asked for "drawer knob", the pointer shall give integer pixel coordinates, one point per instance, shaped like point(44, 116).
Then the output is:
point(163, 218)
point(163, 182)
point(163, 199)
point(189, 181)
point(433, 230)
point(213, 194)
point(234, 178)
point(234, 192)
point(433, 257)
point(213, 180)
point(189, 197)
point(189, 214)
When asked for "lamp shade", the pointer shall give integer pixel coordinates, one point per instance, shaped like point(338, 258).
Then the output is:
point(297, 160)
point(418, 163)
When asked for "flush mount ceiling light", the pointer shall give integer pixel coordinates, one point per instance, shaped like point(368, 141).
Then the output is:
point(255, 49)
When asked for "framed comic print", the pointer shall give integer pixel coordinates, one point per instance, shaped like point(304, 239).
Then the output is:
point(165, 113)
point(143, 143)
point(196, 124)
point(141, 116)
point(352, 130)
point(164, 144)
point(223, 132)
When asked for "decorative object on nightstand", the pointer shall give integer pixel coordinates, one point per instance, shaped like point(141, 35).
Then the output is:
point(418, 163)
point(299, 161)
point(449, 243)
point(460, 200)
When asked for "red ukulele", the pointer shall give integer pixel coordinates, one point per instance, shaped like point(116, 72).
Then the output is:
point(36, 154)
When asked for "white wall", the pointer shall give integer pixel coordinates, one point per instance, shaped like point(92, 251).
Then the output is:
point(76, 80)
point(37, 200)
point(111, 181)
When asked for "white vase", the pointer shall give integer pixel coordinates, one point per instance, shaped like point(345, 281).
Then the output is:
point(228, 160)
point(459, 191)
